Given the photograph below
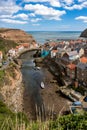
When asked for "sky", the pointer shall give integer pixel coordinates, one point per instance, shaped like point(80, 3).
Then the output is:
point(44, 15)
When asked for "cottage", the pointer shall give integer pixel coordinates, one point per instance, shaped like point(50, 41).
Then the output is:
point(53, 53)
point(61, 52)
point(35, 45)
point(26, 45)
point(20, 48)
point(83, 60)
point(71, 70)
point(72, 55)
point(80, 51)
point(12, 52)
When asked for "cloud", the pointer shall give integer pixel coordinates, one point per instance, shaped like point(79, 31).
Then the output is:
point(81, 0)
point(22, 16)
point(44, 11)
point(32, 15)
point(36, 20)
point(13, 21)
point(77, 6)
point(68, 2)
point(83, 18)
point(5, 16)
point(8, 7)
point(55, 3)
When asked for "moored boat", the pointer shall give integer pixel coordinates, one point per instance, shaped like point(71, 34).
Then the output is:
point(39, 60)
point(42, 85)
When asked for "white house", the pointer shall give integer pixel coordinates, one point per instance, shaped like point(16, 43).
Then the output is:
point(53, 53)
point(20, 48)
point(12, 52)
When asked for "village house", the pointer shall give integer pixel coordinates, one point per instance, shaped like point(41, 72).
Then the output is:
point(53, 53)
point(71, 71)
point(60, 53)
point(1, 55)
point(35, 45)
point(80, 51)
point(12, 52)
point(19, 48)
point(72, 55)
point(83, 60)
point(85, 51)
point(26, 45)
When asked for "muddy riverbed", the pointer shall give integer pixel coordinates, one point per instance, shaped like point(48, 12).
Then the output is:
point(40, 103)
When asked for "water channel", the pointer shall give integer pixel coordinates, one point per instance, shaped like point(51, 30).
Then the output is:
point(32, 78)
point(40, 102)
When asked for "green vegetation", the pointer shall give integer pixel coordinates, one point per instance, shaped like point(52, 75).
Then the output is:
point(10, 120)
point(71, 122)
point(2, 76)
point(18, 121)
point(5, 45)
point(11, 70)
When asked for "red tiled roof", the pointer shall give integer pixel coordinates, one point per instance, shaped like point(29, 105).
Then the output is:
point(71, 66)
point(55, 51)
point(26, 44)
point(83, 59)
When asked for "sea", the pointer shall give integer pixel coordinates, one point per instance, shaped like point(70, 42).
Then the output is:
point(44, 36)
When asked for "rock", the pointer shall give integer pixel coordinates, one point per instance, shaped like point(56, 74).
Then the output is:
point(13, 93)
point(84, 34)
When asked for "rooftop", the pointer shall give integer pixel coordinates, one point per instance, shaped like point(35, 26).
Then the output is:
point(83, 59)
point(71, 66)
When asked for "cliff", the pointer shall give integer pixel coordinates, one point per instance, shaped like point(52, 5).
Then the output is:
point(11, 87)
point(16, 35)
point(84, 34)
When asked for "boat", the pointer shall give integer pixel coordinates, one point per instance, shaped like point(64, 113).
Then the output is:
point(42, 85)
point(38, 60)
point(38, 68)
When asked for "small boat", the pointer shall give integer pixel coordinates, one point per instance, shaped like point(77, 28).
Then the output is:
point(42, 85)
point(38, 68)
point(38, 60)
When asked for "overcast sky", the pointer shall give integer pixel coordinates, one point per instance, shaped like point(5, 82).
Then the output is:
point(44, 15)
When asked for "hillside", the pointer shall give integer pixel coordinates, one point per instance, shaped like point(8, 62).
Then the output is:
point(16, 35)
point(84, 34)
point(6, 45)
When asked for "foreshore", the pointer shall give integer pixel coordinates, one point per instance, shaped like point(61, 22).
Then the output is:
point(53, 101)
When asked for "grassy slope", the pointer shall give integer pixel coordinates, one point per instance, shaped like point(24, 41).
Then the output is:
point(5, 45)
point(19, 121)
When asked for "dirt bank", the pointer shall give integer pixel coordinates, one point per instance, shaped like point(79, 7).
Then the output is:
point(12, 90)
point(54, 103)
point(52, 99)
